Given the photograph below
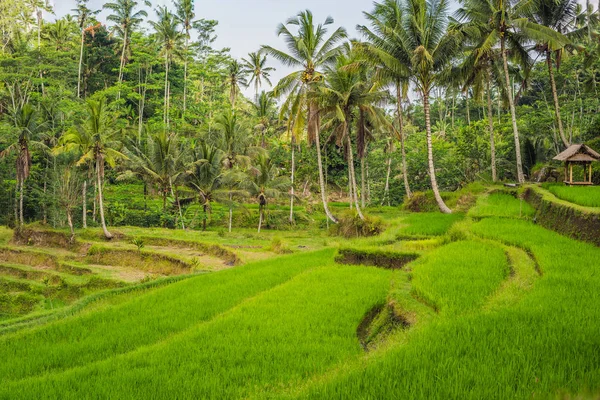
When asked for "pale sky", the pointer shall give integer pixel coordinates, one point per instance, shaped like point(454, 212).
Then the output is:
point(246, 25)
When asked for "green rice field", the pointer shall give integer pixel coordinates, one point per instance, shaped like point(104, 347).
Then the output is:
point(483, 304)
point(588, 196)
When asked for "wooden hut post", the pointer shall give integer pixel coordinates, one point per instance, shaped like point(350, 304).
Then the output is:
point(570, 172)
point(590, 167)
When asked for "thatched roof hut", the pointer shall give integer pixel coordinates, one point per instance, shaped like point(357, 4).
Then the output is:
point(578, 154)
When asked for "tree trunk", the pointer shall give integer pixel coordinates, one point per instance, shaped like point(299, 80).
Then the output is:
point(363, 181)
point(490, 113)
point(21, 219)
point(401, 132)
point(260, 217)
point(174, 194)
point(166, 104)
point(353, 176)
point(555, 97)
point(80, 63)
point(513, 113)
point(17, 203)
point(386, 191)
point(292, 183)
point(468, 108)
point(322, 180)
point(122, 64)
point(185, 76)
point(436, 192)
point(70, 222)
point(230, 210)
point(107, 234)
point(84, 205)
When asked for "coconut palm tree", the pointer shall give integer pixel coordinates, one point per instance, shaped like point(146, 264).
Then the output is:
point(159, 161)
point(556, 15)
point(184, 12)
point(203, 174)
point(264, 112)
point(384, 49)
point(428, 48)
point(236, 76)
point(25, 121)
point(98, 141)
point(169, 37)
point(349, 98)
point(309, 50)
point(256, 67)
point(84, 14)
point(505, 22)
point(126, 18)
point(265, 183)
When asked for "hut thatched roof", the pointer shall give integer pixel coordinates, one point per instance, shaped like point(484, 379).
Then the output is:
point(578, 152)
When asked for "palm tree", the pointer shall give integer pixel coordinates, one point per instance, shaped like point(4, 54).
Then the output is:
point(126, 18)
point(236, 76)
point(169, 37)
point(203, 174)
point(256, 67)
point(159, 161)
point(503, 21)
point(309, 50)
point(385, 50)
point(24, 119)
point(428, 48)
point(98, 142)
point(83, 15)
point(265, 183)
point(264, 112)
point(556, 15)
point(68, 193)
point(349, 98)
point(184, 12)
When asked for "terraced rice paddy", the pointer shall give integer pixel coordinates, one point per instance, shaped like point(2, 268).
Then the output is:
point(582, 195)
point(489, 305)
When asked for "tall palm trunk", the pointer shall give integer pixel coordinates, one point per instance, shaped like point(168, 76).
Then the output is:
point(176, 196)
point(468, 107)
point(84, 204)
point(21, 219)
point(122, 64)
point(17, 224)
point(386, 190)
point(555, 97)
point(363, 182)
point(401, 132)
point(70, 222)
point(513, 113)
point(230, 210)
point(166, 99)
point(80, 63)
point(353, 175)
point(434, 186)
point(292, 183)
point(490, 113)
point(185, 75)
point(322, 180)
point(99, 168)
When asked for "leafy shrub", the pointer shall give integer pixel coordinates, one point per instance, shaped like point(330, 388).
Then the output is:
point(350, 225)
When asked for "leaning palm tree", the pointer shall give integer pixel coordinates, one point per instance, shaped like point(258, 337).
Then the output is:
point(184, 12)
point(97, 139)
point(265, 183)
point(169, 37)
point(504, 22)
point(126, 18)
point(309, 50)
point(350, 98)
point(427, 48)
point(83, 15)
point(256, 67)
point(556, 15)
point(24, 119)
point(384, 49)
point(236, 76)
